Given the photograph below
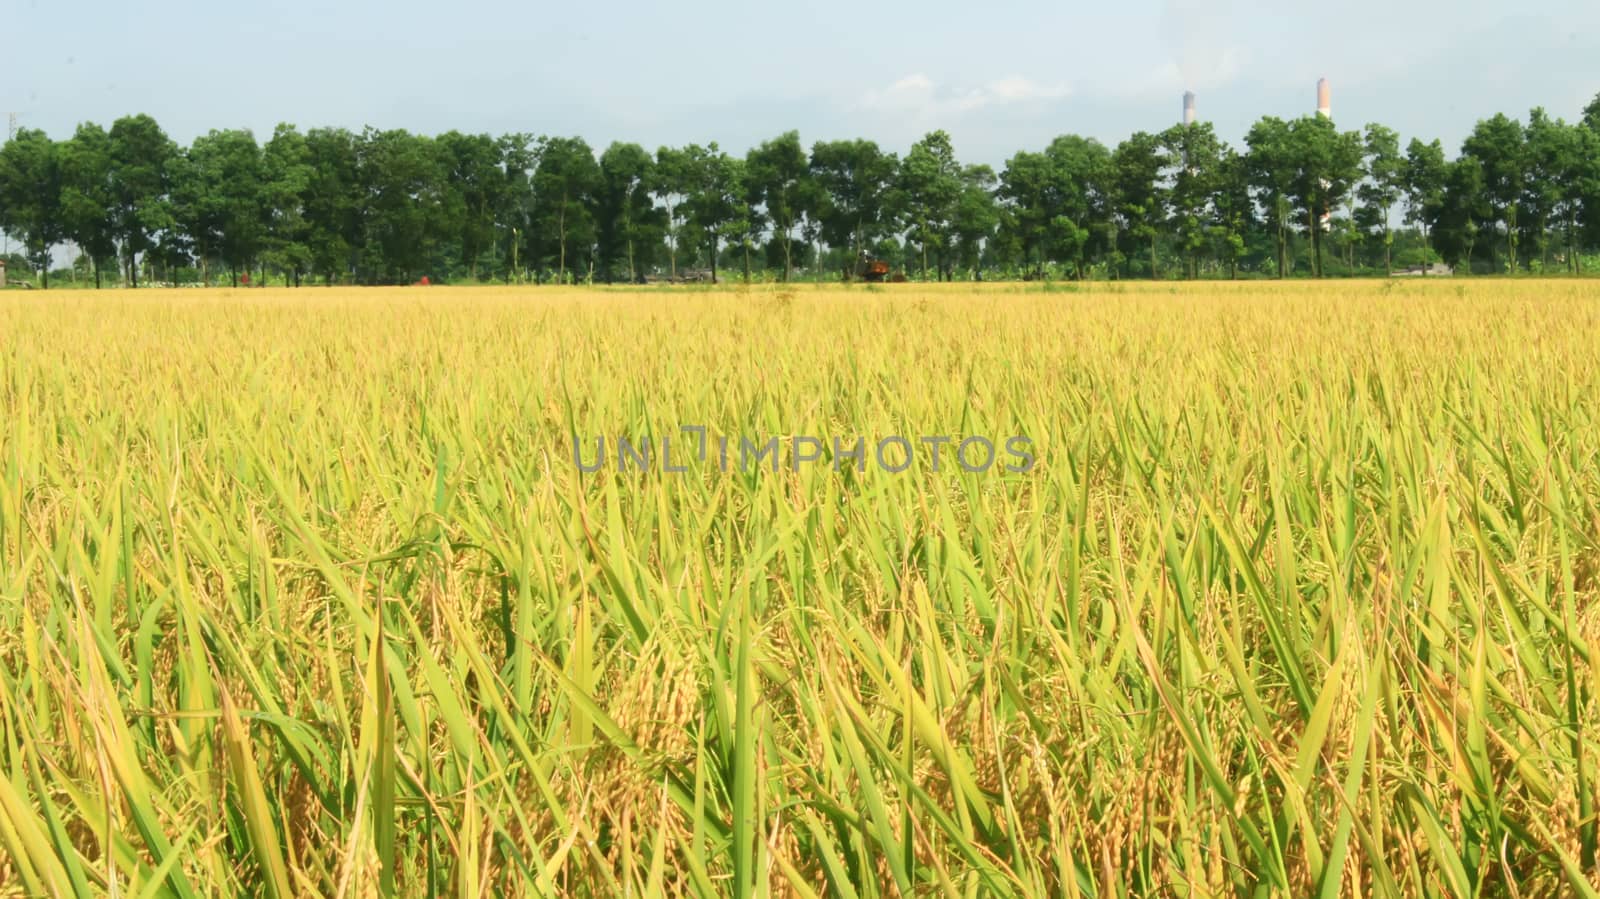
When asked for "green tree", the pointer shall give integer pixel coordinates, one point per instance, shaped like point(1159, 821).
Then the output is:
point(218, 193)
point(1194, 155)
point(332, 202)
point(1383, 186)
point(565, 180)
point(1231, 209)
point(930, 187)
point(1025, 188)
point(856, 179)
point(86, 194)
point(141, 159)
point(1053, 201)
point(286, 165)
point(1140, 192)
point(1462, 213)
point(519, 157)
point(630, 225)
point(406, 209)
point(1272, 166)
point(779, 180)
point(715, 204)
point(1082, 170)
point(475, 181)
point(749, 222)
point(30, 196)
point(670, 185)
point(976, 217)
point(1500, 147)
point(1326, 164)
point(1424, 178)
point(1561, 165)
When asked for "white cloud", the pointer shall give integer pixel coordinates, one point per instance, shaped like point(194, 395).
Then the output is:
point(917, 96)
point(1015, 89)
point(917, 83)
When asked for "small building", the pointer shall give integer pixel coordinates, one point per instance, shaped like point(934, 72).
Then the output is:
point(2, 274)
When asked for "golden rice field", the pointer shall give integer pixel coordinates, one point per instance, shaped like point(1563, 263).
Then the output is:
point(305, 594)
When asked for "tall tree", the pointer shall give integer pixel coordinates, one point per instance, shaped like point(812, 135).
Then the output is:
point(86, 194)
point(1140, 192)
point(670, 185)
point(475, 180)
point(333, 202)
point(219, 198)
point(930, 185)
point(30, 195)
point(141, 158)
point(1424, 176)
point(564, 184)
point(519, 156)
point(1561, 162)
point(1462, 214)
point(1053, 199)
point(286, 167)
point(1383, 185)
point(779, 179)
point(1326, 164)
point(1080, 168)
point(1025, 188)
point(975, 218)
point(1500, 147)
point(407, 213)
point(748, 225)
point(1271, 164)
point(715, 205)
point(629, 224)
point(1194, 155)
point(856, 178)
point(1231, 209)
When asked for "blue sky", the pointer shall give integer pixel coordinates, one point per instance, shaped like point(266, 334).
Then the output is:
point(999, 76)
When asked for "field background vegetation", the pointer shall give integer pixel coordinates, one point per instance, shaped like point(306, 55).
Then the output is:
point(302, 594)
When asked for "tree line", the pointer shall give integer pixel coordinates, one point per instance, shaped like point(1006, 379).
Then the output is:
point(329, 205)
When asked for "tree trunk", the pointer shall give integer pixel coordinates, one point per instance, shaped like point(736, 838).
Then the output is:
point(1283, 250)
point(672, 245)
point(1316, 242)
point(1511, 237)
point(1572, 248)
point(788, 262)
point(561, 258)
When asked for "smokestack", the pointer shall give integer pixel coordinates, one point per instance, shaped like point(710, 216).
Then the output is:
point(1189, 116)
point(1324, 99)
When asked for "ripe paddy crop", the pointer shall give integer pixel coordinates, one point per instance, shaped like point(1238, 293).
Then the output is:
point(302, 593)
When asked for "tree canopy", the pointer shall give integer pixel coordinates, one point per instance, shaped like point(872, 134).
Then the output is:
point(1299, 197)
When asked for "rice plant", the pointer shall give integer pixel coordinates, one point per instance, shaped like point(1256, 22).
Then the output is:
point(304, 593)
